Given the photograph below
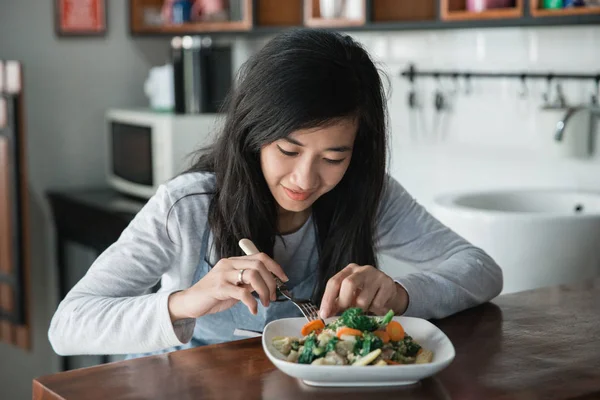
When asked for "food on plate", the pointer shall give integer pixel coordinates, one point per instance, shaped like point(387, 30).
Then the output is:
point(353, 339)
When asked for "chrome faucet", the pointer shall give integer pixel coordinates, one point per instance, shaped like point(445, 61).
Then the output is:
point(561, 125)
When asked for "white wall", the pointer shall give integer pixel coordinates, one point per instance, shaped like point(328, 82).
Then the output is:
point(69, 83)
point(493, 137)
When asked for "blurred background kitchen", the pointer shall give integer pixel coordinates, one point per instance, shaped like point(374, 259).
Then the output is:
point(493, 111)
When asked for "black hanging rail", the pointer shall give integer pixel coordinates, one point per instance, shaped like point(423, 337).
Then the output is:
point(412, 72)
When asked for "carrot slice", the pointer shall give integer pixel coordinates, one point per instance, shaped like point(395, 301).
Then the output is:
point(383, 335)
point(348, 331)
point(390, 362)
point(317, 324)
point(395, 330)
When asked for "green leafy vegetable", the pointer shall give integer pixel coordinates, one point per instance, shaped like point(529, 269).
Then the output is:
point(331, 344)
point(318, 351)
point(355, 319)
point(367, 344)
point(307, 356)
point(382, 322)
point(295, 345)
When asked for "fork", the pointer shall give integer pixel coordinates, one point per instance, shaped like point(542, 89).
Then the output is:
point(306, 306)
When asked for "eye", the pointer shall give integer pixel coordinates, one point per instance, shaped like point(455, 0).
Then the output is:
point(334, 162)
point(287, 153)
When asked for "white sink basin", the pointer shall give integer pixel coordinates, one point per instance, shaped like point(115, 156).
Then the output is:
point(538, 237)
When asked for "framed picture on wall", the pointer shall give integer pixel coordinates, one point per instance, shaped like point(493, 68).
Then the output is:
point(80, 17)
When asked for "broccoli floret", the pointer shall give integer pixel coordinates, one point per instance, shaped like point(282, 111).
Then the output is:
point(411, 347)
point(354, 318)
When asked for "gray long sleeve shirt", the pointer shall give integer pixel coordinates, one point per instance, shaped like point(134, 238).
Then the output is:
point(111, 310)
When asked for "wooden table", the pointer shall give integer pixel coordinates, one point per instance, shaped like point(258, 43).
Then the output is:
point(541, 344)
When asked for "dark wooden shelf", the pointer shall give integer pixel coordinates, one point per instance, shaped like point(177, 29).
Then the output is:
point(456, 10)
point(268, 17)
point(389, 11)
point(278, 13)
point(313, 18)
point(138, 25)
point(539, 12)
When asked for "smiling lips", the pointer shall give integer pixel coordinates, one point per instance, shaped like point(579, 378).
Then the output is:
point(297, 196)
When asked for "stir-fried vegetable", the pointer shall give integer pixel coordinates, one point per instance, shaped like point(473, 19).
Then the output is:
point(356, 339)
point(307, 355)
point(315, 325)
point(395, 330)
point(366, 344)
point(354, 318)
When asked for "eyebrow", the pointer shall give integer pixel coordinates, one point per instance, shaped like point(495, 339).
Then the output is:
point(340, 149)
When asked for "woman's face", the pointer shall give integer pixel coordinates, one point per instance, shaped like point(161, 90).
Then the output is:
point(308, 163)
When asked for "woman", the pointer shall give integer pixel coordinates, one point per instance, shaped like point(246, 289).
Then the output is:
point(300, 169)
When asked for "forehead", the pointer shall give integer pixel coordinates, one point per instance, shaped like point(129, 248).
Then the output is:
point(341, 131)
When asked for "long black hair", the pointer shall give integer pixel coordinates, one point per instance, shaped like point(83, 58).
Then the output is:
point(302, 78)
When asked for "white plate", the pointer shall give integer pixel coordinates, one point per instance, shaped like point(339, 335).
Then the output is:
point(422, 331)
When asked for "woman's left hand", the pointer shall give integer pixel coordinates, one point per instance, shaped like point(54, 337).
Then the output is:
point(365, 287)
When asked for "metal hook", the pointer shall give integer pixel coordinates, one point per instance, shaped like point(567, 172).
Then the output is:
point(468, 84)
point(439, 100)
point(412, 93)
point(456, 87)
point(561, 100)
point(524, 90)
point(596, 94)
point(546, 96)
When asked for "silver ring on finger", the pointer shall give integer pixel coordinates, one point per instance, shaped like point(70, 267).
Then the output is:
point(240, 280)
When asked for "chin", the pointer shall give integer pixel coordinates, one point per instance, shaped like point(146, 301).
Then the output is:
point(294, 206)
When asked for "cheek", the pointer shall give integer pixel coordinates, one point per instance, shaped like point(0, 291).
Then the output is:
point(272, 165)
point(331, 176)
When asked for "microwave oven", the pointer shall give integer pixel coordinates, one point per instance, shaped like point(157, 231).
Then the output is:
point(147, 148)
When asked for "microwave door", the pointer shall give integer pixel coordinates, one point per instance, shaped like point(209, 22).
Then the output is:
point(132, 153)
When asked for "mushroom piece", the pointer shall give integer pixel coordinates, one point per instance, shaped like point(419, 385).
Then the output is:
point(324, 338)
point(424, 357)
point(344, 347)
point(283, 344)
point(334, 358)
point(293, 356)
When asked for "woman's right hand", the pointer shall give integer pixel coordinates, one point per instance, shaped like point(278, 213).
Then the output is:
point(219, 289)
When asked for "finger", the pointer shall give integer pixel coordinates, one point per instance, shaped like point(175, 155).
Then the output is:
point(349, 289)
point(332, 290)
point(243, 294)
point(265, 261)
point(382, 300)
point(272, 266)
point(365, 296)
point(268, 262)
point(256, 278)
point(251, 277)
point(267, 277)
point(256, 262)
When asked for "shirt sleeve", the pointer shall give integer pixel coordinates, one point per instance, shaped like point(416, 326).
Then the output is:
point(454, 274)
point(111, 310)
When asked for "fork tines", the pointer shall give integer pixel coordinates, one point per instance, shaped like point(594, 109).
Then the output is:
point(310, 311)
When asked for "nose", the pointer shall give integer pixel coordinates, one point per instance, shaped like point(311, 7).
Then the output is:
point(305, 175)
